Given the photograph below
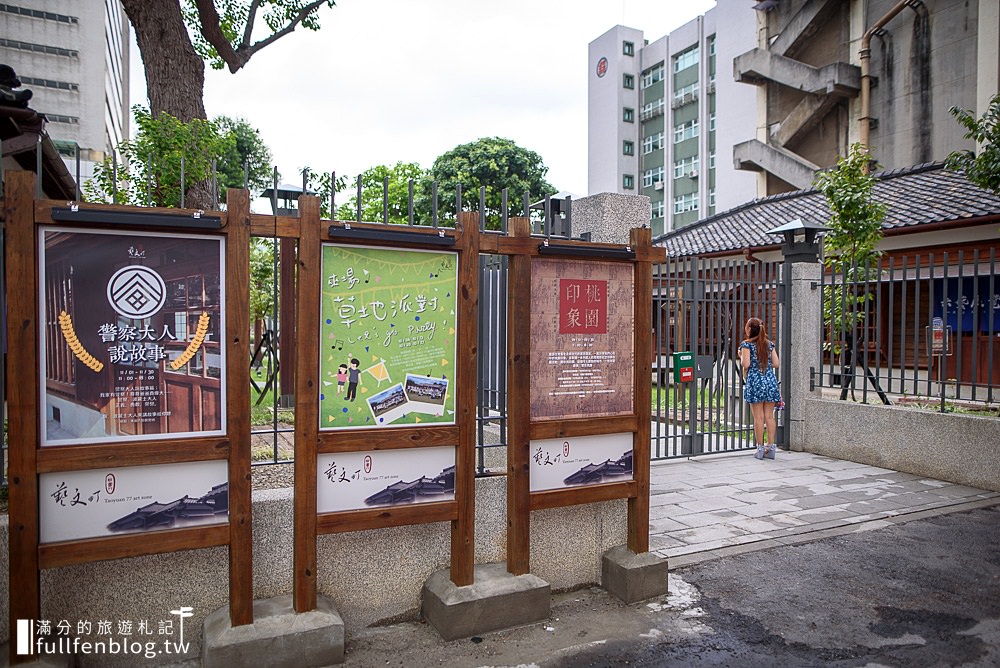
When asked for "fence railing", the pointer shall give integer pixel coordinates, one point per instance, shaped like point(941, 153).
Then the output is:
point(921, 328)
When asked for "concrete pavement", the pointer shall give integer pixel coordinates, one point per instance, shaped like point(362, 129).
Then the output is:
point(712, 506)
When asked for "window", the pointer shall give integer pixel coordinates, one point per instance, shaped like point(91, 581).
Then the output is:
point(685, 94)
point(628, 148)
point(652, 75)
point(49, 83)
point(711, 198)
point(653, 142)
point(685, 203)
point(651, 109)
point(711, 160)
point(711, 122)
point(39, 48)
point(684, 131)
point(38, 14)
point(628, 81)
point(659, 209)
point(651, 177)
point(686, 59)
point(628, 181)
point(685, 166)
point(628, 48)
point(628, 115)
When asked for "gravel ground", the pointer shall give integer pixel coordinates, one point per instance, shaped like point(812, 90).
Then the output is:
point(273, 476)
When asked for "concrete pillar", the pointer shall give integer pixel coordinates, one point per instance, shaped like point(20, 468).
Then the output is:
point(608, 217)
point(806, 336)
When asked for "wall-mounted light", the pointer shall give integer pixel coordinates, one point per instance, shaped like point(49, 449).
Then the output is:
point(197, 220)
point(348, 233)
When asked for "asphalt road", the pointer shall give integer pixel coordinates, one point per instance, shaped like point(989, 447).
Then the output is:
point(923, 593)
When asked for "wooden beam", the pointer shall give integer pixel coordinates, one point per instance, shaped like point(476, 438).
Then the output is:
point(463, 527)
point(22, 406)
point(583, 427)
point(306, 405)
point(638, 504)
point(392, 516)
point(143, 453)
point(55, 555)
point(237, 231)
point(519, 403)
point(387, 439)
point(573, 496)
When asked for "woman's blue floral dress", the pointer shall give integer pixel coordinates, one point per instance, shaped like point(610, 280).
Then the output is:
point(760, 386)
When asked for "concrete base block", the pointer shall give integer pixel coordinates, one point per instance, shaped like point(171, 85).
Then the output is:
point(633, 577)
point(496, 600)
point(279, 636)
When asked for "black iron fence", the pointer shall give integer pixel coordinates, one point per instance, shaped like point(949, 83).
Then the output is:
point(700, 307)
point(921, 329)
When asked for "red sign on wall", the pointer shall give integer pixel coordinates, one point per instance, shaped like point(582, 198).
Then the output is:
point(583, 306)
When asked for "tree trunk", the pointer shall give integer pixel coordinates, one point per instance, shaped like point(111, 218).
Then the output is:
point(175, 74)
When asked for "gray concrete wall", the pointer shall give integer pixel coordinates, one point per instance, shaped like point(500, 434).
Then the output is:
point(609, 217)
point(372, 576)
point(958, 448)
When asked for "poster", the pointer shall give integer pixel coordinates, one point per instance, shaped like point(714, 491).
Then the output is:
point(131, 335)
point(557, 463)
point(73, 505)
point(582, 329)
point(387, 339)
point(382, 478)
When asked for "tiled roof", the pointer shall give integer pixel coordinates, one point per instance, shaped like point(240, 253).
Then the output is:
point(914, 196)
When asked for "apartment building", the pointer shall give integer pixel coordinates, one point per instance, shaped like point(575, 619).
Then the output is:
point(74, 56)
point(663, 116)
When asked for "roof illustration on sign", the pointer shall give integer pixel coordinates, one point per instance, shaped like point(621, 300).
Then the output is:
point(159, 515)
point(413, 490)
point(594, 473)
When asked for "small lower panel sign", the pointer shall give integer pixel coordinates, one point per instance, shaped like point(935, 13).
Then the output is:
point(381, 478)
point(74, 505)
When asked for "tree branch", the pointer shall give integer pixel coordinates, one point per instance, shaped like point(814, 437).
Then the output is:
point(248, 31)
point(211, 30)
point(247, 51)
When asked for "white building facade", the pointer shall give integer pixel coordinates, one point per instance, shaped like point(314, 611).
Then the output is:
point(74, 56)
point(663, 116)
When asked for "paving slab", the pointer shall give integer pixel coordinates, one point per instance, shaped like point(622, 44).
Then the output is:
point(709, 506)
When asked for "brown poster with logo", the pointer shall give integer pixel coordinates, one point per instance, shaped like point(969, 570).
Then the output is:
point(582, 328)
point(131, 346)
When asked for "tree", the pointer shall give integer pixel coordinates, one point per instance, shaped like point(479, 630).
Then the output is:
point(850, 246)
point(373, 182)
point(176, 36)
point(150, 171)
point(246, 154)
point(152, 163)
point(983, 168)
point(491, 162)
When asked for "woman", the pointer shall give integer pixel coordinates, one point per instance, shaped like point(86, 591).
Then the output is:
point(759, 362)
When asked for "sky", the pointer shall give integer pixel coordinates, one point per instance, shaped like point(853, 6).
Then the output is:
point(385, 81)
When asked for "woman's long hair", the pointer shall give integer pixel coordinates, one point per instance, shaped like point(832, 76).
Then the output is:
point(757, 335)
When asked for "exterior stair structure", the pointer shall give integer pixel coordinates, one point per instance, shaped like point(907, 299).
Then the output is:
point(823, 87)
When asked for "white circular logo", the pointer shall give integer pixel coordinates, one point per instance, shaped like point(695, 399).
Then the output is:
point(136, 292)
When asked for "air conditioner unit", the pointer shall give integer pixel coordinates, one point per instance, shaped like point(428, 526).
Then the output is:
point(658, 185)
point(693, 174)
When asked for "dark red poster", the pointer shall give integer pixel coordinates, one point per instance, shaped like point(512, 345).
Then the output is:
point(583, 306)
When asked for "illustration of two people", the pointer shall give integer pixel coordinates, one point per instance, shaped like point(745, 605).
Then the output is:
point(351, 376)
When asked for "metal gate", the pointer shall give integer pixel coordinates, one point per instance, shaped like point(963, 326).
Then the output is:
point(700, 307)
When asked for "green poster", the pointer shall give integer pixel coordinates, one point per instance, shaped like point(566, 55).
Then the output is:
point(387, 344)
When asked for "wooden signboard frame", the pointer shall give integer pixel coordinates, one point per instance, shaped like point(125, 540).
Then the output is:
point(311, 442)
point(521, 248)
point(24, 218)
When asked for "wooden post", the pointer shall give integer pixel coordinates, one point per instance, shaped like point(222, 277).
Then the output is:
point(306, 405)
point(463, 529)
point(519, 405)
point(22, 405)
point(638, 506)
point(238, 393)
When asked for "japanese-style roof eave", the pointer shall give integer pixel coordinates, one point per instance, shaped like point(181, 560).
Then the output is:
point(922, 198)
point(21, 130)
